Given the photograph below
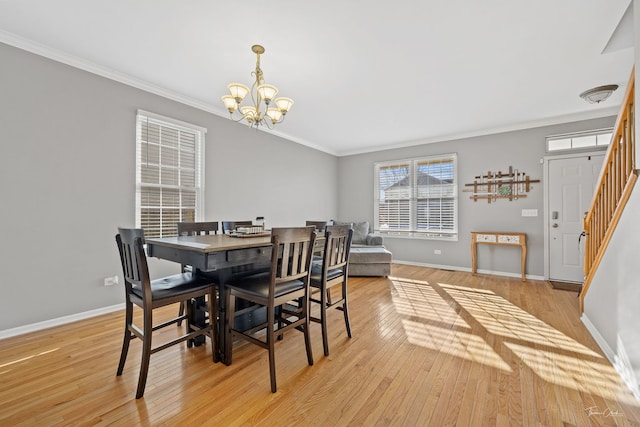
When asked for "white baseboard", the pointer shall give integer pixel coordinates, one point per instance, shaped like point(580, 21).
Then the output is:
point(602, 343)
point(7, 333)
point(618, 359)
point(456, 268)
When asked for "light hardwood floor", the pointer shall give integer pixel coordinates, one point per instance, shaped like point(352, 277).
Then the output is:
point(429, 348)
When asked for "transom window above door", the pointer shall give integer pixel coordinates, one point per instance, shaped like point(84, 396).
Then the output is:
point(580, 140)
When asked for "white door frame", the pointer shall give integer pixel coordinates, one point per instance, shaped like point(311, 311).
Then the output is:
point(545, 174)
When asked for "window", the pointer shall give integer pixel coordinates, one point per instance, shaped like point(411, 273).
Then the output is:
point(169, 173)
point(417, 197)
point(580, 141)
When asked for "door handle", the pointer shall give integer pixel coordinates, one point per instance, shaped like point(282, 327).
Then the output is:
point(554, 225)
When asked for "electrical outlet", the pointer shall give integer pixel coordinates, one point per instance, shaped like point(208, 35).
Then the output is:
point(437, 251)
point(110, 281)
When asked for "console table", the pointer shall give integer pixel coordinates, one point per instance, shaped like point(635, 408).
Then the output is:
point(497, 238)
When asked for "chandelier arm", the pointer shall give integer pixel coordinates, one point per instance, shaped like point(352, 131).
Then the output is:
point(265, 121)
point(233, 119)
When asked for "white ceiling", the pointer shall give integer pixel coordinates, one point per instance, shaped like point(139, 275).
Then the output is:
point(365, 75)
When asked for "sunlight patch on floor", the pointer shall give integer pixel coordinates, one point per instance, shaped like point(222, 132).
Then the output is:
point(453, 342)
point(24, 359)
point(425, 303)
point(430, 322)
point(432, 317)
point(583, 375)
point(500, 317)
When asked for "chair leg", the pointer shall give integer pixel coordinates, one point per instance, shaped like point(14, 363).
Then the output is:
point(190, 307)
point(146, 353)
point(280, 322)
point(271, 347)
point(228, 324)
point(181, 312)
point(126, 339)
point(307, 336)
point(323, 320)
point(213, 323)
point(345, 308)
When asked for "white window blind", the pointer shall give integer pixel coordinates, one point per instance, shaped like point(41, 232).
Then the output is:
point(169, 174)
point(417, 197)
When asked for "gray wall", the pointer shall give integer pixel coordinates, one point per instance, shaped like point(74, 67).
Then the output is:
point(521, 149)
point(611, 303)
point(67, 173)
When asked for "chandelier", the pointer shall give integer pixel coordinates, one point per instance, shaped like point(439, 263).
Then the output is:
point(261, 93)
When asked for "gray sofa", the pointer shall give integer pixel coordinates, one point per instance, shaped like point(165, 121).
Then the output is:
point(368, 256)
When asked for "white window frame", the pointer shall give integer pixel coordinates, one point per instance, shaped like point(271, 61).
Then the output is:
point(413, 230)
point(168, 229)
point(580, 141)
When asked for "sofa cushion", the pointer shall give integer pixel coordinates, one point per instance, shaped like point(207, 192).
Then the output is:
point(369, 255)
point(369, 261)
point(374, 240)
point(362, 235)
point(350, 224)
point(370, 270)
point(360, 232)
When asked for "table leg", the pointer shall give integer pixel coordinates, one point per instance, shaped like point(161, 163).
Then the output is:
point(524, 257)
point(474, 260)
point(220, 278)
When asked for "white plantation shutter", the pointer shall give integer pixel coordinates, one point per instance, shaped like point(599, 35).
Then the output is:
point(417, 197)
point(393, 197)
point(169, 174)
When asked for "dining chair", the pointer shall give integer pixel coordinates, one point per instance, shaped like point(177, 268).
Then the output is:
point(319, 225)
point(197, 228)
point(194, 229)
point(229, 226)
point(331, 272)
point(247, 269)
point(149, 294)
point(287, 280)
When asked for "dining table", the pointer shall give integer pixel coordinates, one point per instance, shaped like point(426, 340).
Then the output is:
point(220, 257)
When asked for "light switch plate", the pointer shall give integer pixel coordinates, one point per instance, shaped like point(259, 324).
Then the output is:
point(529, 212)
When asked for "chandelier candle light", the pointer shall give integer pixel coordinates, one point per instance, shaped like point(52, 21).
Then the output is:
point(260, 93)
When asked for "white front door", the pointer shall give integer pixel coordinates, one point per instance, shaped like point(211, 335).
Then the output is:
point(572, 183)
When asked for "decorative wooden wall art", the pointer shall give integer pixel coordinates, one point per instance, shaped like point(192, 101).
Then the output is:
point(498, 185)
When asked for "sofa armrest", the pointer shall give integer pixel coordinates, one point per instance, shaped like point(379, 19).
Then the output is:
point(374, 239)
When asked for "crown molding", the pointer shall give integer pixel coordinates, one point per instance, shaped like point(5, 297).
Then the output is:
point(91, 67)
point(100, 70)
point(556, 120)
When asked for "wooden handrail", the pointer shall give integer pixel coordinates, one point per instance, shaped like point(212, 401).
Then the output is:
point(617, 178)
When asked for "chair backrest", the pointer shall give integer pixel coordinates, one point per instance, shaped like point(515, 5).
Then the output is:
point(134, 260)
point(319, 225)
point(291, 253)
point(336, 247)
point(197, 228)
point(228, 226)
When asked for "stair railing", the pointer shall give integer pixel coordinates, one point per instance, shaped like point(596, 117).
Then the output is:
point(617, 178)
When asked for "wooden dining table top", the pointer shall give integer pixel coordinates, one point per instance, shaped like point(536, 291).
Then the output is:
point(211, 243)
